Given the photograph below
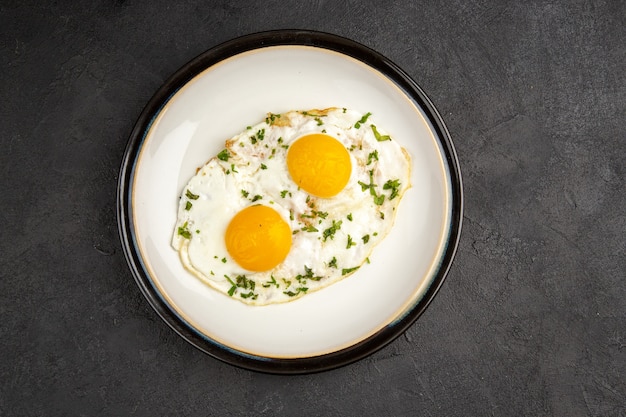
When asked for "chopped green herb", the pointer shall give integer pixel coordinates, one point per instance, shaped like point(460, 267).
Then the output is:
point(362, 120)
point(364, 186)
point(344, 109)
point(319, 121)
point(333, 263)
point(250, 295)
point(256, 198)
point(233, 287)
point(260, 134)
point(184, 232)
point(378, 136)
point(330, 232)
point(191, 195)
point(393, 186)
point(271, 118)
point(309, 228)
point(188, 205)
point(298, 291)
point(283, 193)
point(373, 156)
point(375, 234)
point(367, 259)
point(349, 216)
point(197, 231)
point(232, 168)
point(290, 214)
point(280, 140)
point(379, 199)
point(308, 274)
point(244, 193)
point(223, 260)
point(270, 282)
point(248, 127)
point(345, 271)
point(382, 215)
point(263, 166)
point(321, 214)
point(224, 155)
point(350, 242)
point(245, 283)
point(366, 238)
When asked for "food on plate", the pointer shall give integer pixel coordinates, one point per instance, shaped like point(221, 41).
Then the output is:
point(291, 205)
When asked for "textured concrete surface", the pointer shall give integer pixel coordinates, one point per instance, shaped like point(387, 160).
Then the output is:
point(532, 318)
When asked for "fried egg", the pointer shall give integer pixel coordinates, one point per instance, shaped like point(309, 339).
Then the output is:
point(291, 205)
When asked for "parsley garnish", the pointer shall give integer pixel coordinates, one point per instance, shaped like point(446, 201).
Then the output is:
point(233, 287)
point(223, 260)
point(378, 199)
point(249, 295)
point(392, 185)
point(270, 282)
point(308, 274)
point(188, 205)
point(244, 193)
point(330, 232)
point(271, 117)
point(378, 136)
point(350, 242)
point(298, 291)
point(319, 121)
point(256, 198)
point(184, 232)
point(245, 283)
point(321, 214)
point(333, 263)
point(191, 195)
point(224, 155)
point(263, 166)
point(372, 156)
point(345, 271)
point(366, 238)
point(349, 216)
point(362, 120)
point(309, 228)
point(232, 168)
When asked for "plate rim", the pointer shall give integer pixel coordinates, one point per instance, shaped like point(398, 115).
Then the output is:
point(230, 49)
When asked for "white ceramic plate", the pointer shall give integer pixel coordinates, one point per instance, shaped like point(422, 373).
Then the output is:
point(216, 96)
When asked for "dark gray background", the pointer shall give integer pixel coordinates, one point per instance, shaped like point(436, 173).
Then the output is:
point(532, 317)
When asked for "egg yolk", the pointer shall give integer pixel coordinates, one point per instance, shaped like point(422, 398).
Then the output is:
point(319, 164)
point(258, 238)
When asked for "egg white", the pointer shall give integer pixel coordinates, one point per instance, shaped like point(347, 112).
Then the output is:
point(253, 170)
